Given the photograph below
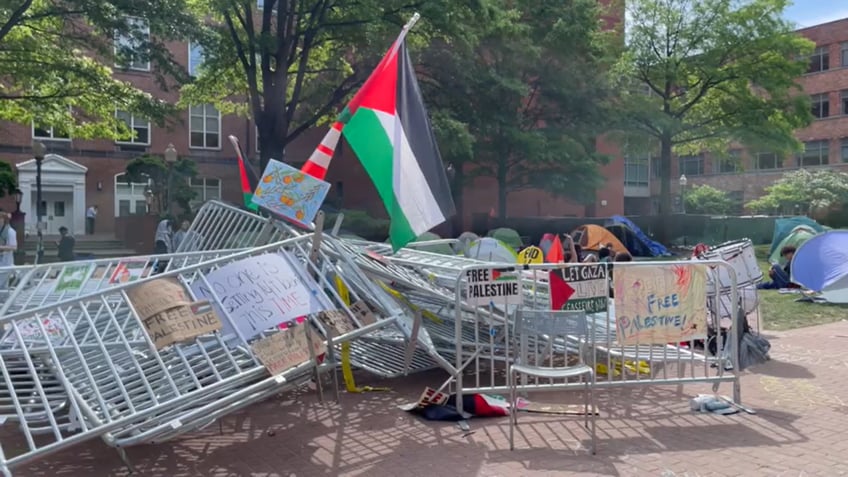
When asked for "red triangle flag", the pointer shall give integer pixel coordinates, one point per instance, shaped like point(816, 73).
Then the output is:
point(555, 254)
point(560, 290)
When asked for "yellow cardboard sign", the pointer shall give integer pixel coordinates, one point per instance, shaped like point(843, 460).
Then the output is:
point(531, 256)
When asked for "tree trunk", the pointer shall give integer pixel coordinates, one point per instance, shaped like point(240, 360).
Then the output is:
point(665, 189)
point(272, 137)
point(502, 190)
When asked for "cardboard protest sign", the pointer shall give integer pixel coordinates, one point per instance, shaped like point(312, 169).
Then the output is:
point(156, 296)
point(287, 348)
point(181, 323)
point(363, 312)
point(337, 322)
point(531, 255)
point(661, 304)
point(260, 292)
point(490, 286)
point(580, 287)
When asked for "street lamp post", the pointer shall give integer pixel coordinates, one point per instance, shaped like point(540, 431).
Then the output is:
point(683, 182)
point(38, 150)
point(170, 160)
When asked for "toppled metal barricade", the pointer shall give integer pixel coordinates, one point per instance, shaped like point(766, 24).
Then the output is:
point(79, 365)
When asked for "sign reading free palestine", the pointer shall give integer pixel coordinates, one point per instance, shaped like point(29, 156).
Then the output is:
point(490, 286)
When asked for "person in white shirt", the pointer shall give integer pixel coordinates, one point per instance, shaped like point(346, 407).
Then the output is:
point(8, 246)
point(90, 215)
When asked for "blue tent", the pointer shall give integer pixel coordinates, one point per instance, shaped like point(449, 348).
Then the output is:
point(821, 264)
point(656, 248)
point(783, 227)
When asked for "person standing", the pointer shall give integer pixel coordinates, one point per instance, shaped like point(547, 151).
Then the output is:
point(8, 246)
point(66, 246)
point(163, 243)
point(90, 216)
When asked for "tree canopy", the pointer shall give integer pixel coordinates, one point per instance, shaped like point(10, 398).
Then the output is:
point(169, 183)
point(54, 57)
point(8, 181)
point(804, 191)
point(298, 60)
point(525, 105)
point(699, 75)
point(705, 199)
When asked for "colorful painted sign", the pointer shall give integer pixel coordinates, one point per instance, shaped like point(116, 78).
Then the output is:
point(128, 271)
point(260, 292)
point(661, 304)
point(580, 287)
point(72, 278)
point(290, 193)
point(490, 286)
point(531, 255)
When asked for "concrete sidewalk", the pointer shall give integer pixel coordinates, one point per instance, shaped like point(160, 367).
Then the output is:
point(799, 430)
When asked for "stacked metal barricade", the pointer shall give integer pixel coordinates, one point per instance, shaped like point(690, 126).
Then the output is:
point(79, 365)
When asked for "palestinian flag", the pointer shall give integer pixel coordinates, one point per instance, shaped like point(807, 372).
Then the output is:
point(249, 181)
point(387, 126)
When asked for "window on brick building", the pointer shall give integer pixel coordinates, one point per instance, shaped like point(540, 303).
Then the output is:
point(845, 54)
point(130, 46)
point(205, 188)
point(130, 197)
point(844, 149)
point(637, 170)
point(843, 98)
point(819, 60)
point(820, 105)
point(139, 127)
point(691, 165)
point(768, 160)
point(49, 133)
point(195, 58)
point(205, 127)
point(815, 154)
point(730, 165)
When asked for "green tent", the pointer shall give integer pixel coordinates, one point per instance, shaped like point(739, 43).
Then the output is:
point(796, 237)
point(507, 236)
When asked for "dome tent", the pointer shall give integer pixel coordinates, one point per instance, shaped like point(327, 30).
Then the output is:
point(796, 238)
point(821, 264)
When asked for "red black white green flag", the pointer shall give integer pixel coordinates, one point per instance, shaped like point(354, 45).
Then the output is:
point(249, 179)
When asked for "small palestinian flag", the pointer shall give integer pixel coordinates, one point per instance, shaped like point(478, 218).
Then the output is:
point(249, 180)
point(387, 126)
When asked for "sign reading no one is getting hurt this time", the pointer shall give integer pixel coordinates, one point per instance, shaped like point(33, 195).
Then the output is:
point(492, 287)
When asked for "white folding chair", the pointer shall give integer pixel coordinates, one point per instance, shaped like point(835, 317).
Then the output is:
point(551, 350)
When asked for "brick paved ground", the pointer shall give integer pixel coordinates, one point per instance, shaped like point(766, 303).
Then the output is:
point(799, 430)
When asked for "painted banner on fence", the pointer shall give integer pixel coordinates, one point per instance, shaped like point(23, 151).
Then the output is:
point(260, 292)
point(72, 278)
point(580, 287)
point(660, 304)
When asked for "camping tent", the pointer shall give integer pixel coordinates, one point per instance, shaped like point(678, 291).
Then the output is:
point(440, 248)
point(821, 264)
point(463, 242)
point(796, 238)
point(593, 237)
point(629, 239)
point(657, 249)
point(507, 236)
point(783, 227)
point(489, 249)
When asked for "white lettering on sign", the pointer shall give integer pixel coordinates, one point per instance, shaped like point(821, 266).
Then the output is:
point(491, 286)
point(261, 292)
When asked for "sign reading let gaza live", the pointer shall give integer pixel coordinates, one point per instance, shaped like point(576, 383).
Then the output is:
point(490, 286)
point(580, 287)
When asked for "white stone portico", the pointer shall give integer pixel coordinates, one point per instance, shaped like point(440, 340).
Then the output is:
point(62, 193)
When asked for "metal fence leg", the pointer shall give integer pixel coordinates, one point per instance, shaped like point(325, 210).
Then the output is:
point(122, 453)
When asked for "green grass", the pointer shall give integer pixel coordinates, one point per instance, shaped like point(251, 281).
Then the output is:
point(782, 312)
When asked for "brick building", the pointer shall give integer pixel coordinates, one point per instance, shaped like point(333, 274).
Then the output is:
point(79, 173)
point(825, 140)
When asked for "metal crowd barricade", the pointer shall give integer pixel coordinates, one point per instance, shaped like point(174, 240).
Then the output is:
point(118, 386)
point(481, 356)
point(221, 226)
